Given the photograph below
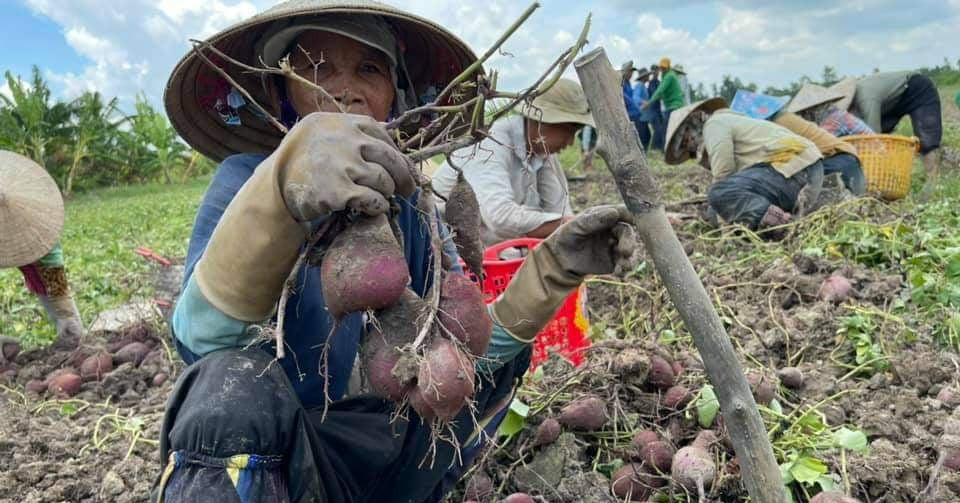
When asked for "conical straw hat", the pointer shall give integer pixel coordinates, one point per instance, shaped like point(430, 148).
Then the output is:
point(676, 120)
point(31, 211)
point(847, 88)
point(811, 95)
point(433, 57)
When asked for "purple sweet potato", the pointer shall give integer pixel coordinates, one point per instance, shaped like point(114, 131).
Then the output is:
point(585, 414)
point(396, 326)
point(705, 440)
point(791, 377)
point(949, 397)
point(661, 373)
point(94, 367)
point(134, 353)
point(479, 487)
point(446, 378)
point(658, 456)
point(160, 379)
point(547, 432)
point(693, 468)
point(632, 362)
point(462, 213)
point(835, 289)
point(632, 483)
point(36, 386)
point(677, 397)
point(833, 497)
point(763, 386)
point(10, 349)
point(364, 268)
point(518, 498)
point(65, 383)
point(642, 438)
point(464, 314)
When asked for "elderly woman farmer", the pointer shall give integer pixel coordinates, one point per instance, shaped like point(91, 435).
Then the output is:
point(31, 218)
point(762, 172)
point(838, 156)
point(241, 426)
point(519, 183)
point(882, 99)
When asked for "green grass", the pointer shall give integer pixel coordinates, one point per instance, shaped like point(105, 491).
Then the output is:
point(103, 227)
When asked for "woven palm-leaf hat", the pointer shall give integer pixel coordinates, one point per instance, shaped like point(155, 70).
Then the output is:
point(31, 211)
point(677, 118)
point(195, 94)
point(811, 95)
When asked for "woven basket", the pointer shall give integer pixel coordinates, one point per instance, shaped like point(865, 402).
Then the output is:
point(887, 162)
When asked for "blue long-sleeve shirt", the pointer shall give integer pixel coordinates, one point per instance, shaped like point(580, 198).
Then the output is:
point(633, 108)
point(200, 328)
point(641, 96)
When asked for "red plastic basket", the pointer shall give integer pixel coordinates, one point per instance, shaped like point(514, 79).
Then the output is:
point(567, 332)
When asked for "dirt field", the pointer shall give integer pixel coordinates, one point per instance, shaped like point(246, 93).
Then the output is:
point(871, 364)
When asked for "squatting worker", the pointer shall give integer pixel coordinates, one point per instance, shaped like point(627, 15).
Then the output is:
point(838, 155)
point(762, 173)
point(31, 219)
point(882, 99)
point(241, 426)
point(519, 183)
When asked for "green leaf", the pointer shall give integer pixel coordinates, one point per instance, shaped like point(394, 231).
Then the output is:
point(785, 473)
point(512, 424)
point(826, 482)
point(852, 440)
point(707, 406)
point(807, 470)
point(520, 408)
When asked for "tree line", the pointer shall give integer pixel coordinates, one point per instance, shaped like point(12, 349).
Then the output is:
point(946, 74)
point(89, 141)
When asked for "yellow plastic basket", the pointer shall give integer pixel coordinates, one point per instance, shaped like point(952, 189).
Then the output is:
point(887, 162)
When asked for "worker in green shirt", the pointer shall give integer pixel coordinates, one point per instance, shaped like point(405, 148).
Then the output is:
point(670, 91)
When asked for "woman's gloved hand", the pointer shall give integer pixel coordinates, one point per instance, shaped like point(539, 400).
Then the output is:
point(600, 240)
point(327, 162)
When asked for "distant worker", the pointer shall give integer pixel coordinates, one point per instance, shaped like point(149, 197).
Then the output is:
point(31, 218)
point(645, 126)
point(519, 182)
point(656, 115)
point(669, 92)
point(634, 96)
point(882, 99)
point(838, 155)
point(684, 84)
point(763, 174)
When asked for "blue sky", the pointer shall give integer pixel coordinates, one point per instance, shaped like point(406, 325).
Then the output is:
point(130, 46)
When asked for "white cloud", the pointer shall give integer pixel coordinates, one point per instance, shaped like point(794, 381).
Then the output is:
point(131, 46)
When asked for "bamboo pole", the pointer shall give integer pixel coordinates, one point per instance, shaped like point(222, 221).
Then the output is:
point(620, 147)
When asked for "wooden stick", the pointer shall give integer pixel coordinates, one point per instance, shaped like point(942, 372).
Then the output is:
point(624, 157)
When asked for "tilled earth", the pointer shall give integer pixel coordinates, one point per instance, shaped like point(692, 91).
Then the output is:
point(100, 444)
point(97, 445)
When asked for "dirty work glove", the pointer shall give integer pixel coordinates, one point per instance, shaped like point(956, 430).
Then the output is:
point(327, 162)
point(63, 311)
point(598, 241)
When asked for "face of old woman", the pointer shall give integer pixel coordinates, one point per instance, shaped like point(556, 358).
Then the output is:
point(357, 75)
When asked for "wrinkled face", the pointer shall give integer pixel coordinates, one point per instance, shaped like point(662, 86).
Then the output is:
point(357, 75)
point(547, 139)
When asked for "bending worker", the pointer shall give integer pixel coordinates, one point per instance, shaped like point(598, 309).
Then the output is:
point(762, 173)
point(241, 426)
point(838, 155)
point(519, 183)
point(818, 104)
point(882, 99)
point(31, 219)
